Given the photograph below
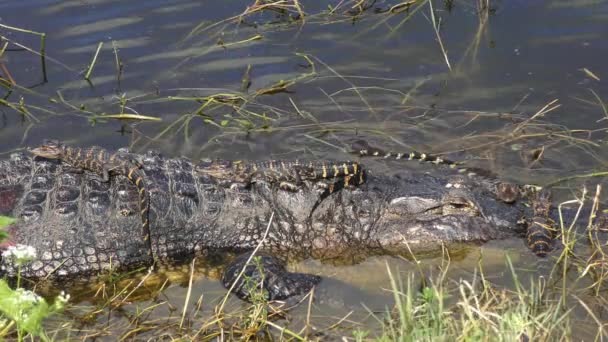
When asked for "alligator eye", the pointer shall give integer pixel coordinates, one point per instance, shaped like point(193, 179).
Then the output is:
point(460, 205)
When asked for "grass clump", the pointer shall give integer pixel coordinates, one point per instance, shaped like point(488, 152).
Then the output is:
point(471, 311)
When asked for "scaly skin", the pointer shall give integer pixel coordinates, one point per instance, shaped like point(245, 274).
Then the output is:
point(104, 164)
point(81, 226)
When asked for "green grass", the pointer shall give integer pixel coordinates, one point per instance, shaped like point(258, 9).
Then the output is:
point(478, 312)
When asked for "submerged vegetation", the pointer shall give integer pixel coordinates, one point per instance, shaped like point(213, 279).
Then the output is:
point(313, 102)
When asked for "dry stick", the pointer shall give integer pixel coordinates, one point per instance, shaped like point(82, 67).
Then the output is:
point(590, 74)
point(340, 321)
point(6, 73)
point(221, 308)
point(436, 29)
point(181, 322)
point(92, 65)
point(125, 116)
point(541, 112)
point(251, 39)
point(3, 48)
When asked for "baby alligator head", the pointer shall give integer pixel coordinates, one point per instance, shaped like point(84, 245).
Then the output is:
point(50, 149)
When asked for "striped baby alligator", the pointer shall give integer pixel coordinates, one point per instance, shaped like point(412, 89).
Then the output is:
point(289, 175)
point(541, 227)
point(504, 191)
point(104, 164)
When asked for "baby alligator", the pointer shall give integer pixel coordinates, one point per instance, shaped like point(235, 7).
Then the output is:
point(104, 164)
point(505, 191)
point(287, 174)
point(541, 226)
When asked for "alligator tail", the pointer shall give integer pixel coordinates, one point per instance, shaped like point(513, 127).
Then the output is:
point(135, 176)
point(351, 172)
point(363, 148)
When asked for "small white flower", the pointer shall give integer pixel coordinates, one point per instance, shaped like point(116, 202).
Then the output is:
point(63, 297)
point(20, 253)
point(27, 296)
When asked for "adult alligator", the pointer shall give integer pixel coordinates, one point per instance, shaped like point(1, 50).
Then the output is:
point(82, 226)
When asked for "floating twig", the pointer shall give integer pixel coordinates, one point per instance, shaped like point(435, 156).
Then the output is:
point(87, 76)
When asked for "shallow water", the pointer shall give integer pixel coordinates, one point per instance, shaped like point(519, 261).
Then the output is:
point(376, 76)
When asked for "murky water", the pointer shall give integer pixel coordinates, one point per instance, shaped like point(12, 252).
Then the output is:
point(379, 76)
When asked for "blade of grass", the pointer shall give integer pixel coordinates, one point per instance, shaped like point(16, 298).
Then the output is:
point(87, 76)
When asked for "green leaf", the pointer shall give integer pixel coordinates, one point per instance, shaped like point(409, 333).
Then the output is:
point(5, 221)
